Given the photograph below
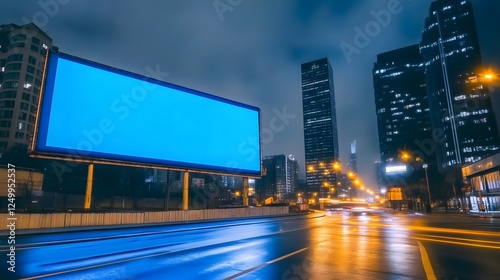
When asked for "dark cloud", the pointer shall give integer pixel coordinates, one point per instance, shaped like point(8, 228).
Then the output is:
point(254, 54)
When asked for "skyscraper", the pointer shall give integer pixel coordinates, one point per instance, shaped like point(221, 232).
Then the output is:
point(401, 103)
point(320, 124)
point(22, 57)
point(353, 165)
point(280, 178)
point(292, 174)
point(403, 118)
point(460, 105)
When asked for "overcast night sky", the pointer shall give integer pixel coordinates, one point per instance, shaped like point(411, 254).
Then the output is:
point(251, 53)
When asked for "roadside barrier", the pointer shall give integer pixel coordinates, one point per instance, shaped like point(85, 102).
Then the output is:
point(55, 220)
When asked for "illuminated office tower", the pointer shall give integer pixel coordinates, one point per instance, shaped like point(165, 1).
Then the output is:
point(401, 103)
point(320, 124)
point(460, 105)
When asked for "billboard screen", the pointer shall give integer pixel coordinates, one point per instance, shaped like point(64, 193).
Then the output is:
point(94, 113)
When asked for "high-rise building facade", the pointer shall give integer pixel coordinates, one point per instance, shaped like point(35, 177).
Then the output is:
point(460, 105)
point(292, 174)
point(320, 124)
point(401, 103)
point(280, 178)
point(280, 172)
point(22, 58)
point(266, 185)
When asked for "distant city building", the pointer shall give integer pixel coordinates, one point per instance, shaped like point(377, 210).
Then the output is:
point(251, 187)
point(266, 185)
point(379, 171)
point(280, 173)
point(292, 174)
point(401, 103)
point(22, 60)
point(460, 105)
point(232, 182)
point(344, 188)
point(320, 124)
point(280, 177)
point(353, 165)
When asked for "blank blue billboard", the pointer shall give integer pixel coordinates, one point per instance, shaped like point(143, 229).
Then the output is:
point(89, 111)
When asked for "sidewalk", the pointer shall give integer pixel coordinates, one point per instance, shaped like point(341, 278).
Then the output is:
point(489, 214)
point(453, 211)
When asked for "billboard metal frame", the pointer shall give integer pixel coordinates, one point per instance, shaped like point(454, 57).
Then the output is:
point(33, 152)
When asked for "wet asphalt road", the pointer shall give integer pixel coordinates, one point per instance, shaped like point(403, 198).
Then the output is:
point(360, 244)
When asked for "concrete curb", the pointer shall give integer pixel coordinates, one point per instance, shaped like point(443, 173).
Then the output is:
point(454, 214)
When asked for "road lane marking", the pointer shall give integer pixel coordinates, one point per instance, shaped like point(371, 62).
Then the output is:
point(264, 264)
point(157, 254)
point(453, 230)
point(458, 243)
point(271, 261)
point(426, 262)
point(461, 239)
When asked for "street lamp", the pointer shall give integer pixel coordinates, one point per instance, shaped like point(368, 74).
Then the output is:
point(336, 166)
point(489, 77)
point(429, 209)
point(405, 156)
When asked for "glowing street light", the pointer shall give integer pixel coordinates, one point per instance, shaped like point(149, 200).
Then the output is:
point(336, 166)
point(405, 156)
point(489, 77)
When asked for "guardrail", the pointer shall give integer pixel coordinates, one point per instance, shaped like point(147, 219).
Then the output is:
point(55, 220)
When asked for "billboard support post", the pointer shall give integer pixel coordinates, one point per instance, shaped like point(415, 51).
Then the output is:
point(245, 191)
point(88, 191)
point(185, 191)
